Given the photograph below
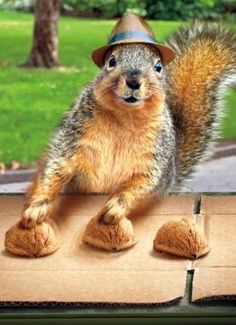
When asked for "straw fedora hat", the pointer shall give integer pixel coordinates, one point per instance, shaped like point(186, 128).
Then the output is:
point(132, 28)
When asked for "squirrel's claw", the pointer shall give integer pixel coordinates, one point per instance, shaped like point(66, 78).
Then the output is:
point(34, 214)
point(109, 219)
point(113, 211)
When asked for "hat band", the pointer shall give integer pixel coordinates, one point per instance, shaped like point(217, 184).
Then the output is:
point(134, 34)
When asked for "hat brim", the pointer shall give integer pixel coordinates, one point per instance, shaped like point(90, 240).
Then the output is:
point(167, 54)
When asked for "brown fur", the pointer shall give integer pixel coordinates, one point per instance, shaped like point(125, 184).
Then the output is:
point(119, 148)
point(206, 56)
point(114, 153)
point(193, 97)
point(134, 142)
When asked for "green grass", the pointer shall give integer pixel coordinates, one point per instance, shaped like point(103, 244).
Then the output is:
point(32, 101)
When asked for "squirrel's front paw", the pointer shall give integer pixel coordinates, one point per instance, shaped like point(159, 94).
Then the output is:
point(114, 210)
point(35, 213)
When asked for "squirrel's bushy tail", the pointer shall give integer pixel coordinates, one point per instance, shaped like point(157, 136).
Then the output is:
point(204, 66)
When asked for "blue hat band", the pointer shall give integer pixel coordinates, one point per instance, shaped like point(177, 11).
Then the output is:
point(134, 34)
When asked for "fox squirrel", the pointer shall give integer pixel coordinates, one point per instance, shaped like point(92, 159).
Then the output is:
point(140, 127)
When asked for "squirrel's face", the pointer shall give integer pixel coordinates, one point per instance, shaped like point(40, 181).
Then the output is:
point(132, 78)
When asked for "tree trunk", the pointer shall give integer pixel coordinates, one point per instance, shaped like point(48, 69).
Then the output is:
point(44, 52)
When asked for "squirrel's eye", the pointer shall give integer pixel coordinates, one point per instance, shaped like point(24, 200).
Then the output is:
point(112, 62)
point(158, 66)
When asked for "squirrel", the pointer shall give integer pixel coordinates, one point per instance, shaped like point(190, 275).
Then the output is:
point(139, 129)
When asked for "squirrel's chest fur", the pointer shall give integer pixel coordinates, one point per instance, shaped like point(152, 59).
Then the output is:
point(114, 152)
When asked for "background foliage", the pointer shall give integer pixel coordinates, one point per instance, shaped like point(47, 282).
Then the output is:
point(154, 9)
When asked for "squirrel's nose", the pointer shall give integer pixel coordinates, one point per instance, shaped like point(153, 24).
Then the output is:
point(132, 79)
point(133, 83)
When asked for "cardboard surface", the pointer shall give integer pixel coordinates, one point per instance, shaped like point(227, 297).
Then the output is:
point(215, 274)
point(218, 204)
point(211, 283)
point(80, 273)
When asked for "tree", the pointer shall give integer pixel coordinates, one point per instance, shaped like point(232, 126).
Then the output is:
point(44, 52)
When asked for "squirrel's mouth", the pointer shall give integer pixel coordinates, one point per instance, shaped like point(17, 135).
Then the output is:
point(131, 100)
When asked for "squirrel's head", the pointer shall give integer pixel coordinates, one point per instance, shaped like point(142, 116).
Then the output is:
point(132, 78)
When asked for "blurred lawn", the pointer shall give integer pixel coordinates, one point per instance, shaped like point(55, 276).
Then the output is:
point(33, 101)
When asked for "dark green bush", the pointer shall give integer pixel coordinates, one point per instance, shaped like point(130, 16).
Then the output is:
point(157, 9)
point(154, 9)
point(105, 8)
point(185, 9)
point(22, 5)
